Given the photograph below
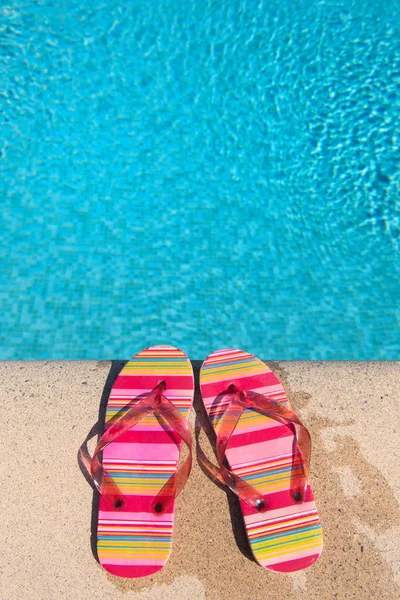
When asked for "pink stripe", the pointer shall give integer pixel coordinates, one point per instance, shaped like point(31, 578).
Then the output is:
point(127, 516)
point(301, 560)
point(266, 390)
point(134, 504)
point(279, 500)
point(269, 449)
point(153, 435)
point(132, 570)
point(249, 382)
point(221, 357)
point(132, 562)
point(147, 426)
point(286, 511)
point(177, 393)
point(254, 435)
point(148, 382)
point(145, 452)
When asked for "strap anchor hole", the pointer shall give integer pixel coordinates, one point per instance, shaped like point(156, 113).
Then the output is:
point(260, 504)
point(158, 507)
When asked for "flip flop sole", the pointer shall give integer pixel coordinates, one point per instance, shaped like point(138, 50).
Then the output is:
point(135, 541)
point(288, 536)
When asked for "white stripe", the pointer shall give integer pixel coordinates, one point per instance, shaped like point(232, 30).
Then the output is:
point(286, 511)
point(107, 522)
point(121, 461)
point(175, 393)
point(282, 558)
point(232, 354)
point(276, 449)
point(133, 517)
point(270, 460)
point(274, 526)
point(138, 531)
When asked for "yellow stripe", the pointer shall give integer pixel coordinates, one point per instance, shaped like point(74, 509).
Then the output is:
point(143, 470)
point(134, 554)
point(162, 363)
point(138, 544)
point(146, 483)
point(134, 551)
point(293, 538)
point(274, 464)
point(161, 352)
point(149, 420)
point(135, 530)
point(265, 552)
point(287, 552)
point(266, 528)
point(157, 371)
point(249, 369)
point(271, 486)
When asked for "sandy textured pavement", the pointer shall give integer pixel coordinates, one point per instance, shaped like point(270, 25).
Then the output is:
point(353, 413)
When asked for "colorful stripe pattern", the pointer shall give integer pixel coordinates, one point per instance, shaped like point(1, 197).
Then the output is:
point(287, 537)
point(135, 541)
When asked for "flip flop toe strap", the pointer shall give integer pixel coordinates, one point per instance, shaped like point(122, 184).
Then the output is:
point(158, 404)
point(238, 402)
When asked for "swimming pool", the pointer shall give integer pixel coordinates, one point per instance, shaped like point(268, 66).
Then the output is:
point(206, 174)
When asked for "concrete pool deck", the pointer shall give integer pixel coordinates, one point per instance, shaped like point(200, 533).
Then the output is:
point(353, 413)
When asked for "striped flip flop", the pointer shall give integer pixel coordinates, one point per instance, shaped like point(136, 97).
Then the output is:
point(267, 452)
point(139, 478)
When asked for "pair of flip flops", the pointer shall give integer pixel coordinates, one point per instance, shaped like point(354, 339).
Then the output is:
point(263, 451)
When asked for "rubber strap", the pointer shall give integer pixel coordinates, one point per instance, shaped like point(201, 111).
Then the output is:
point(159, 405)
point(240, 401)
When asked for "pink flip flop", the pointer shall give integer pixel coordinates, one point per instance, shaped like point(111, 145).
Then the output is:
point(139, 478)
point(267, 450)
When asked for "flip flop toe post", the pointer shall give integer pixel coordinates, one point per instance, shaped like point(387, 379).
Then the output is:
point(267, 452)
point(139, 478)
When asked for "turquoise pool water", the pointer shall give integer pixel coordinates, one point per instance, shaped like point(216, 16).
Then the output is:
point(203, 173)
